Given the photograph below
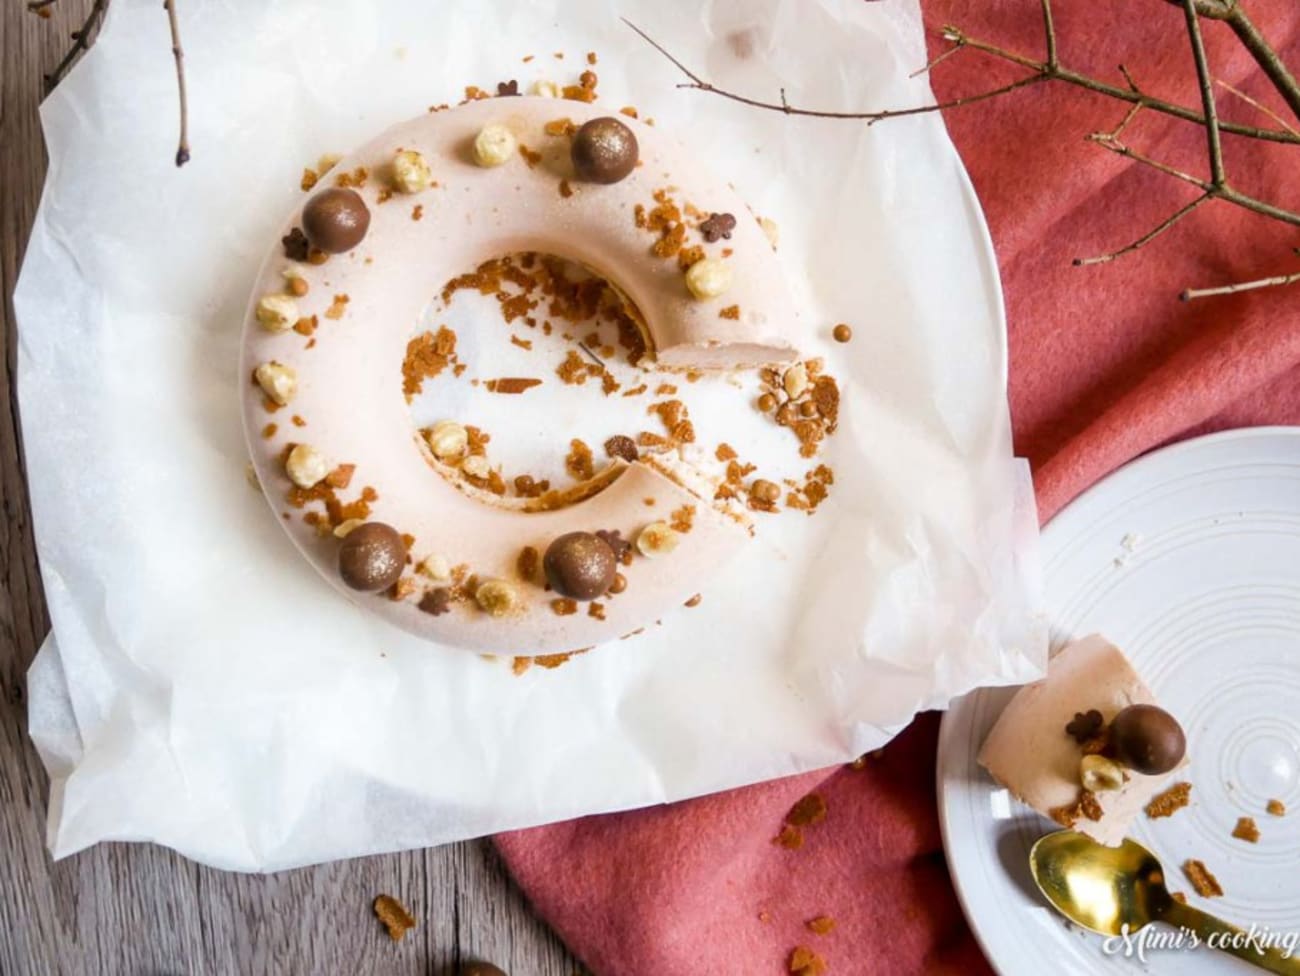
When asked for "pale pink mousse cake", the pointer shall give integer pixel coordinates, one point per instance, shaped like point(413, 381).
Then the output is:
point(1030, 753)
point(348, 383)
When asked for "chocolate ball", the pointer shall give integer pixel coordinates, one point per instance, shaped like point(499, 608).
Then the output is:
point(372, 557)
point(481, 969)
point(604, 150)
point(1147, 739)
point(336, 219)
point(579, 565)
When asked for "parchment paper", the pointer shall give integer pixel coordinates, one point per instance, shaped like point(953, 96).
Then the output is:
point(204, 689)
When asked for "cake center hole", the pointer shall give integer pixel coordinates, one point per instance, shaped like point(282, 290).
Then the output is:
point(541, 364)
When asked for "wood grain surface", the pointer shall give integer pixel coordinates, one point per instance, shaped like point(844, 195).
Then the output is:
point(141, 909)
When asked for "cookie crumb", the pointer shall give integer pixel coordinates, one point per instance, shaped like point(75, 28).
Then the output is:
point(1203, 882)
point(820, 925)
point(1276, 807)
point(394, 915)
point(1085, 808)
point(622, 446)
point(578, 462)
point(1246, 830)
point(1169, 802)
point(804, 962)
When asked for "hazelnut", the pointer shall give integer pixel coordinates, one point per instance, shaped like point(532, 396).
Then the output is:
point(657, 539)
point(476, 466)
point(435, 567)
point(547, 89)
point(295, 282)
point(279, 382)
point(277, 313)
point(619, 584)
point(497, 597)
point(306, 466)
point(796, 380)
point(771, 230)
point(808, 408)
point(767, 403)
point(411, 172)
point(787, 414)
point(842, 333)
point(1100, 775)
point(347, 525)
point(447, 440)
point(494, 145)
point(708, 278)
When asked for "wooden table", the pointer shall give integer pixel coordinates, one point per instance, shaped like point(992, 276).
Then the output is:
point(137, 909)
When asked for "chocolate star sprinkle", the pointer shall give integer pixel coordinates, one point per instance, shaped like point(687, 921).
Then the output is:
point(296, 245)
point(622, 548)
point(1085, 725)
point(436, 602)
point(717, 226)
point(507, 88)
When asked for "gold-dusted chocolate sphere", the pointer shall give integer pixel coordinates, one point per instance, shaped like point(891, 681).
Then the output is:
point(604, 150)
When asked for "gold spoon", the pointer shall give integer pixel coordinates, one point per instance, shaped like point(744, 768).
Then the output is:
point(1109, 888)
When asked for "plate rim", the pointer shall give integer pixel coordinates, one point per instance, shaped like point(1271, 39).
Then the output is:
point(945, 752)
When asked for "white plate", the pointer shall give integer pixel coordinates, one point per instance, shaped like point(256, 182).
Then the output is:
point(1189, 559)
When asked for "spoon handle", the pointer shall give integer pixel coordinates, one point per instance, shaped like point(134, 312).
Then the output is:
point(1220, 934)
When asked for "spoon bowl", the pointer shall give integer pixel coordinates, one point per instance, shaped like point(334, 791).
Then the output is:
point(1119, 890)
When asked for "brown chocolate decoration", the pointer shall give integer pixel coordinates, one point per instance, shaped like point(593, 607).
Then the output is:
point(372, 557)
point(1147, 739)
point(718, 226)
point(481, 969)
point(296, 247)
point(604, 150)
point(336, 220)
point(1085, 725)
point(579, 565)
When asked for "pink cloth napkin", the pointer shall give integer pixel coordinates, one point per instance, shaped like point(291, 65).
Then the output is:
point(1106, 363)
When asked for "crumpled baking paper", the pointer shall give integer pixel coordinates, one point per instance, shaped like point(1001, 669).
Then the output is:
point(205, 690)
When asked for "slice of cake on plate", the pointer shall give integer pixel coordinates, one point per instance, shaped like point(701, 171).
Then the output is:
point(1086, 746)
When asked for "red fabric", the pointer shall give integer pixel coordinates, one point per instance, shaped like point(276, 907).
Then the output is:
point(1106, 363)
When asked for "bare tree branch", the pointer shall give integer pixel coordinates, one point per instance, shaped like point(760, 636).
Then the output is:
point(1042, 71)
point(183, 145)
point(1275, 282)
point(1049, 29)
point(81, 40)
point(1214, 145)
point(1148, 237)
point(1253, 41)
point(1254, 102)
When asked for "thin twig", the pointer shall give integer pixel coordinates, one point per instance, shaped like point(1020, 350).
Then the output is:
point(1274, 282)
point(1256, 103)
point(1041, 72)
point(937, 59)
point(1129, 116)
point(1253, 41)
point(1149, 236)
point(1049, 29)
point(785, 107)
point(1227, 193)
point(81, 38)
point(178, 53)
point(1213, 143)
